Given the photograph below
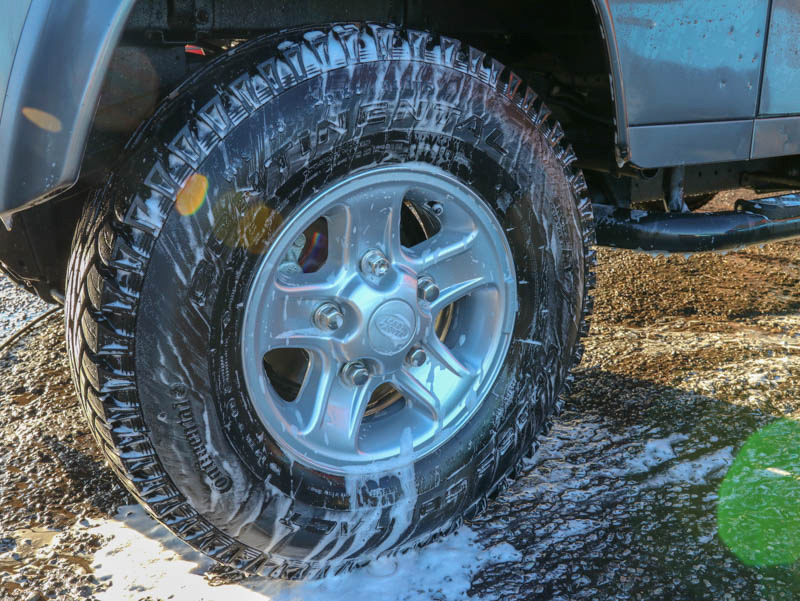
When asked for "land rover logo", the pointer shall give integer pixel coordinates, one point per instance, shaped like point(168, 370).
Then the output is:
point(392, 327)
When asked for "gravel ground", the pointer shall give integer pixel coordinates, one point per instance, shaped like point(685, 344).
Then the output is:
point(645, 488)
point(17, 307)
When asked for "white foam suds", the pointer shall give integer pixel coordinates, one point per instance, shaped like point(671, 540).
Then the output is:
point(143, 560)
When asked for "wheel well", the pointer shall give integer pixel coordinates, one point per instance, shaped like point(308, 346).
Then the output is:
point(558, 47)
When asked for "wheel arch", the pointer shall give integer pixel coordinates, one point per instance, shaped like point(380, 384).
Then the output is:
point(49, 104)
point(65, 93)
point(54, 162)
point(605, 22)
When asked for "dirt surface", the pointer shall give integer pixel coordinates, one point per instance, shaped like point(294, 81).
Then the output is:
point(16, 307)
point(690, 365)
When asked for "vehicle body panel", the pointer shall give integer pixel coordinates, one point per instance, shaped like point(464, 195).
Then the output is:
point(688, 61)
point(683, 63)
point(780, 93)
point(776, 132)
point(691, 143)
point(10, 31)
point(776, 136)
point(52, 93)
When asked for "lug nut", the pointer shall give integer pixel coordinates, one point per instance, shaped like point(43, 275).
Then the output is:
point(355, 373)
point(416, 357)
point(290, 263)
point(374, 262)
point(300, 242)
point(328, 317)
point(427, 289)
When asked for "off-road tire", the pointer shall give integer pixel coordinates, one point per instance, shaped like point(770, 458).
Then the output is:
point(132, 252)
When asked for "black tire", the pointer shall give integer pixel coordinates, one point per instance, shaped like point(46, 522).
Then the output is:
point(152, 295)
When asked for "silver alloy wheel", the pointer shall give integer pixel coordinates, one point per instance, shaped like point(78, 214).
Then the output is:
point(385, 318)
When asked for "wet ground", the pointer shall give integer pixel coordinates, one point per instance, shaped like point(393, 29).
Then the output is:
point(16, 308)
point(674, 472)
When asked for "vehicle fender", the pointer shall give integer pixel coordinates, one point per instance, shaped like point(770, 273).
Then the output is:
point(607, 30)
point(54, 84)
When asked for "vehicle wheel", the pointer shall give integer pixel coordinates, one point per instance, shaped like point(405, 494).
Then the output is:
point(324, 307)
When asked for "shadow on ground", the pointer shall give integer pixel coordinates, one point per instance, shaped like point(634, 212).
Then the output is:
point(622, 502)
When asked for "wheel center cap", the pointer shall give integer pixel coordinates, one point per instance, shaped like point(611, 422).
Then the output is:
point(391, 327)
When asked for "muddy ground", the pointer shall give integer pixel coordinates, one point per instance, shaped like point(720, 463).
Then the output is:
point(633, 495)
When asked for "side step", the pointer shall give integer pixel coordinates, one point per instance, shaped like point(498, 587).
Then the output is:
point(752, 222)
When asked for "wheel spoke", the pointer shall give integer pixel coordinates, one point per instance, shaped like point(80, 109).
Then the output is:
point(451, 292)
point(456, 263)
point(307, 339)
point(440, 353)
point(310, 402)
point(442, 248)
point(288, 316)
point(419, 393)
point(339, 420)
point(430, 387)
point(367, 221)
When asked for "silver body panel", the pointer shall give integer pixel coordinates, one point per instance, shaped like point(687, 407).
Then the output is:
point(690, 60)
point(691, 143)
point(53, 88)
point(780, 94)
point(10, 31)
point(777, 136)
point(701, 79)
